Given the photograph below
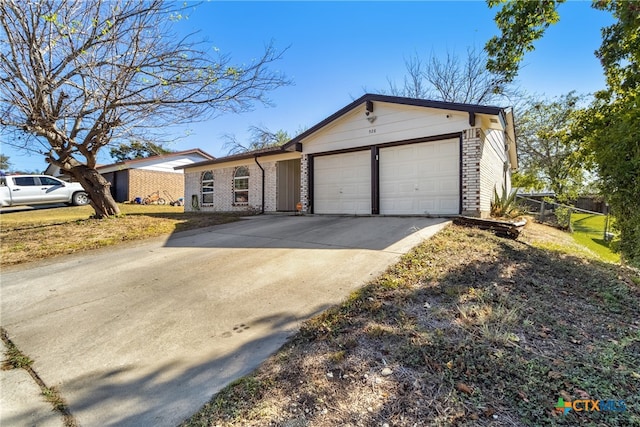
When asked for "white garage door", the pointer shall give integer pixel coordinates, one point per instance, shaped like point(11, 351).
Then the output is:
point(342, 183)
point(420, 178)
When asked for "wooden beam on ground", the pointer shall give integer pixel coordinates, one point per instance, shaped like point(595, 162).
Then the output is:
point(501, 228)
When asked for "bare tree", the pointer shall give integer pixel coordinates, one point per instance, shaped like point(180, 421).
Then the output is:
point(453, 79)
point(76, 76)
point(260, 137)
point(137, 150)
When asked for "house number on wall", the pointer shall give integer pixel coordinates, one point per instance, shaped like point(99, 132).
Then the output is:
point(372, 130)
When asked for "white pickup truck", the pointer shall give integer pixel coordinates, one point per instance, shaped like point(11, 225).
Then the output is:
point(19, 190)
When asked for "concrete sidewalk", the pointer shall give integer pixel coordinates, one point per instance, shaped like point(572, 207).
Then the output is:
point(145, 334)
point(21, 401)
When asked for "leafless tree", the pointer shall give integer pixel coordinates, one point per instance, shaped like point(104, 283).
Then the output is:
point(453, 79)
point(260, 137)
point(78, 75)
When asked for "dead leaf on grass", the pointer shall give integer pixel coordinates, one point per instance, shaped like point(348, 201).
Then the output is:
point(554, 375)
point(462, 387)
point(489, 412)
point(583, 394)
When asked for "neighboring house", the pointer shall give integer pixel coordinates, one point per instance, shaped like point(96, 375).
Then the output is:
point(379, 155)
point(141, 177)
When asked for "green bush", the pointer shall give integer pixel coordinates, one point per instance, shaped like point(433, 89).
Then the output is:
point(563, 216)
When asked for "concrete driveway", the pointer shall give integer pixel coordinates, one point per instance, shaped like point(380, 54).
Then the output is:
point(145, 334)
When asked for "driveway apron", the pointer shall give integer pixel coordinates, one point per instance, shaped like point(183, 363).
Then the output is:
point(146, 333)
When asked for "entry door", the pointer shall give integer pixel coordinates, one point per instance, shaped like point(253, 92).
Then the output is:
point(288, 176)
point(420, 179)
point(342, 183)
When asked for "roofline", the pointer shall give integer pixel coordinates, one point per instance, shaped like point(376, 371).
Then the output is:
point(454, 106)
point(159, 156)
point(271, 151)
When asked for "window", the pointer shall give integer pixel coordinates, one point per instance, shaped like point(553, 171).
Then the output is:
point(45, 180)
point(241, 186)
point(207, 188)
point(25, 181)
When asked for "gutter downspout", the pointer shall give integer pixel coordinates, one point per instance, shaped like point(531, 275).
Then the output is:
point(255, 158)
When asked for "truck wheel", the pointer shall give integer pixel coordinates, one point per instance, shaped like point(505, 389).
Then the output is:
point(161, 201)
point(80, 199)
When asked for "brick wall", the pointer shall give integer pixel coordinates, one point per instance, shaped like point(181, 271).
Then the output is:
point(223, 195)
point(145, 182)
point(192, 188)
point(471, 155)
point(483, 163)
point(270, 186)
point(304, 182)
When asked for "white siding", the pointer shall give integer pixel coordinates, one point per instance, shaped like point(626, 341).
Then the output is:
point(393, 122)
point(492, 173)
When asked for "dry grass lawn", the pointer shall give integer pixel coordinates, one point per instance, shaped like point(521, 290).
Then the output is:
point(468, 329)
point(33, 235)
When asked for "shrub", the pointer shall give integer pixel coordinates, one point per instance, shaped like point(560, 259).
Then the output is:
point(505, 205)
point(563, 216)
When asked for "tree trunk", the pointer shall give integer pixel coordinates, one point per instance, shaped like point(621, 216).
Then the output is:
point(98, 189)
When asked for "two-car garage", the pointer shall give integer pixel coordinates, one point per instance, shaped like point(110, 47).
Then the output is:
point(416, 178)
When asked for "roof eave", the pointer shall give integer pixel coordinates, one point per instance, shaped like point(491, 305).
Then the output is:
point(244, 156)
point(453, 106)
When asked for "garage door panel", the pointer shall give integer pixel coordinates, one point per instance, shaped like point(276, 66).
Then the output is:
point(342, 183)
point(420, 178)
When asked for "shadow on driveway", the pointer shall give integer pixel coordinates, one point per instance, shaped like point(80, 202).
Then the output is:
point(145, 334)
point(309, 232)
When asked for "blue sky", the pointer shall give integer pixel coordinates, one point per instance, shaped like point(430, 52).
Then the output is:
point(339, 50)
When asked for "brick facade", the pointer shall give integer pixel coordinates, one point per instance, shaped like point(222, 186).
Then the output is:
point(483, 170)
point(471, 155)
point(304, 182)
point(145, 182)
point(223, 193)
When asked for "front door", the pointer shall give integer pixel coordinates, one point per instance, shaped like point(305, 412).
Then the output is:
point(288, 176)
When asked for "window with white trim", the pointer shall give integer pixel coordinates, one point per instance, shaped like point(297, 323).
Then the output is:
point(241, 186)
point(207, 188)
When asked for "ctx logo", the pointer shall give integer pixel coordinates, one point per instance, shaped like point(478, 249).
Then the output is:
point(589, 405)
point(577, 405)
